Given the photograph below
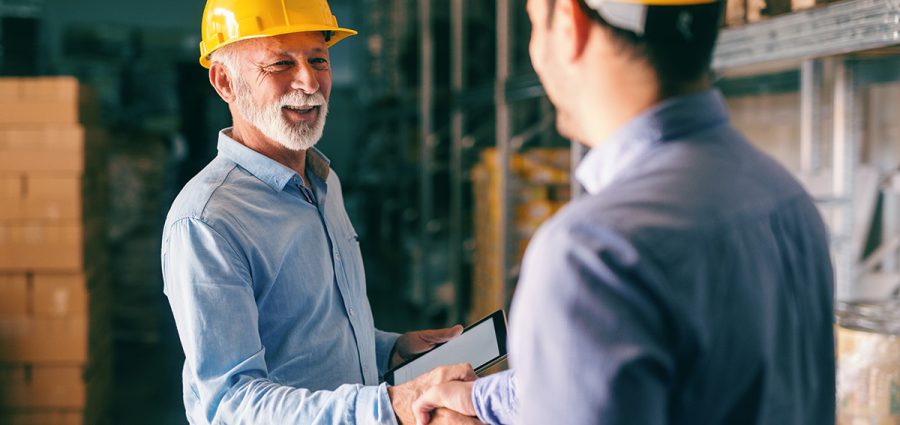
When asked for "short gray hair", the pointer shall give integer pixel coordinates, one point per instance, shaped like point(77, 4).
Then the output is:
point(228, 57)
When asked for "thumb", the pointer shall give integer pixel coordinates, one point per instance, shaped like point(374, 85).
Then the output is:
point(435, 336)
point(423, 406)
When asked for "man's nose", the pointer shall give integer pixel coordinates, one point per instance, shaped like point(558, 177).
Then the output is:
point(305, 79)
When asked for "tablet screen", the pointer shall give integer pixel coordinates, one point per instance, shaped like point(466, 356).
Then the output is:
point(478, 346)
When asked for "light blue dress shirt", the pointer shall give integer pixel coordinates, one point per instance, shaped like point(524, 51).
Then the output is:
point(266, 283)
point(692, 285)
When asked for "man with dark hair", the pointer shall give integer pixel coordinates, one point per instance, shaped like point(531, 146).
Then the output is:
point(693, 283)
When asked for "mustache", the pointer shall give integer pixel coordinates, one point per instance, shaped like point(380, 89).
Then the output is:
point(300, 98)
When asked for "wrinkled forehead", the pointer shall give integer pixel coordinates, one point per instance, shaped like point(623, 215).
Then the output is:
point(296, 44)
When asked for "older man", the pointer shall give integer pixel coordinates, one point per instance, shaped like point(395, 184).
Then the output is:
point(261, 264)
point(692, 284)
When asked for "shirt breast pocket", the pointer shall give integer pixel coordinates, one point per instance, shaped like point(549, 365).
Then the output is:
point(353, 261)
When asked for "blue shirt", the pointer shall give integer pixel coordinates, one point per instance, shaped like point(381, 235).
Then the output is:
point(693, 284)
point(266, 283)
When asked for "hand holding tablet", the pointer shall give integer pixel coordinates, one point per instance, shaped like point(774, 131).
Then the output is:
point(482, 345)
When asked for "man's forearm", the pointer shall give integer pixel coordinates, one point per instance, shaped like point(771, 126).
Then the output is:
point(384, 348)
point(252, 401)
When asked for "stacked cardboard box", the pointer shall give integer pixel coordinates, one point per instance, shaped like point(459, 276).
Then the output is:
point(740, 12)
point(54, 322)
point(539, 186)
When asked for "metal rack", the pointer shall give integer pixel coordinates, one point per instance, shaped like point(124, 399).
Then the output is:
point(837, 29)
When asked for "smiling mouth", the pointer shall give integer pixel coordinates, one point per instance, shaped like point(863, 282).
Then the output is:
point(301, 109)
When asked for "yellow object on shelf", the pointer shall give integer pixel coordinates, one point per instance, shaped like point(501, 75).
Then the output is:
point(868, 349)
point(538, 187)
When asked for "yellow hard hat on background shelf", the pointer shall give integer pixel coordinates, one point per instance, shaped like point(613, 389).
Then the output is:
point(228, 21)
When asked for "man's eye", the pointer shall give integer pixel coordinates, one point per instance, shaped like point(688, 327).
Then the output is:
point(319, 61)
point(281, 64)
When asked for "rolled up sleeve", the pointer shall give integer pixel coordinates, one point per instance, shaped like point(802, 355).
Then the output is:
point(384, 346)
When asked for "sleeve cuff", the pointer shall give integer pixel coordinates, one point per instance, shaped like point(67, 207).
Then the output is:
point(494, 398)
point(373, 406)
point(384, 345)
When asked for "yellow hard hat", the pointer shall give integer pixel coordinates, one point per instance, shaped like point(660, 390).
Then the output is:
point(228, 21)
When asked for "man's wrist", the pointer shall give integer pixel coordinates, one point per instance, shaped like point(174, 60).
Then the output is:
point(392, 362)
point(401, 403)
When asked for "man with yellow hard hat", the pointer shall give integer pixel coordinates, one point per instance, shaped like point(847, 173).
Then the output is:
point(692, 284)
point(261, 264)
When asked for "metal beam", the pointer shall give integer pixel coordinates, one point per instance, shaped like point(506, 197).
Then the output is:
point(502, 136)
point(457, 118)
point(810, 116)
point(844, 164)
point(834, 29)
point(421, 281)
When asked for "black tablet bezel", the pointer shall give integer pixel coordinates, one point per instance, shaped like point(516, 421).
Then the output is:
point(499, 320)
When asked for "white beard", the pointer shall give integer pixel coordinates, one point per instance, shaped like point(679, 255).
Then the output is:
point(270, 121)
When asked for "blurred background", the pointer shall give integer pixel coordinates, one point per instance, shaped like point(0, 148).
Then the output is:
point(449, 158)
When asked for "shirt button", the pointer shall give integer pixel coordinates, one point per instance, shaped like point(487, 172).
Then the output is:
point(350, 310)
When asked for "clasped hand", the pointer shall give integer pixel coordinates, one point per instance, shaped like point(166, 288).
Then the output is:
point(441, 396)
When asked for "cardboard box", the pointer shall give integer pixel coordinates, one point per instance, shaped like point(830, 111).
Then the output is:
point(10, 88)
point(25, 247)
point(52, 197)
point(41, 340)
point(42, 387)
point(735, 12)
point(46, 100)
point(61, 89)
point(59, 296)
point(13, 295)
point(37, 113)
point(40, 197)
point(43, 148)
point(51, 296)
point(43, 417)
point(12, 191)
point(44, 318)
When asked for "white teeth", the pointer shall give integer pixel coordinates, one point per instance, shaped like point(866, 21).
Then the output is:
point(299, 109)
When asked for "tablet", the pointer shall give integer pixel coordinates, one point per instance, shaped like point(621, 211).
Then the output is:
point(481, 345)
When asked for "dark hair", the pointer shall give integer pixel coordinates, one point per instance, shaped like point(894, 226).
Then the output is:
point(677, 43)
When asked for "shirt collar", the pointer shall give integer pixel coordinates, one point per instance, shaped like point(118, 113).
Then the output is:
point(668, 120)
point(271, 172)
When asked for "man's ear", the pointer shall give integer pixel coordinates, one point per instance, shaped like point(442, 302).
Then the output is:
point(221, 81)
point(574, 25)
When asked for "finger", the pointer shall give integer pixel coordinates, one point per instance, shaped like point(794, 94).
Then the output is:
point(423, 406)
point(446, 416)
point(453, 395)
point(459, 372)
point(437, 336)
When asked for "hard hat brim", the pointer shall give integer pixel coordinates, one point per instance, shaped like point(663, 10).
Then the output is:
point(339, 34)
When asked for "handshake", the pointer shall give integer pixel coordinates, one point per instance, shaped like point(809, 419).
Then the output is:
point(442, 396)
